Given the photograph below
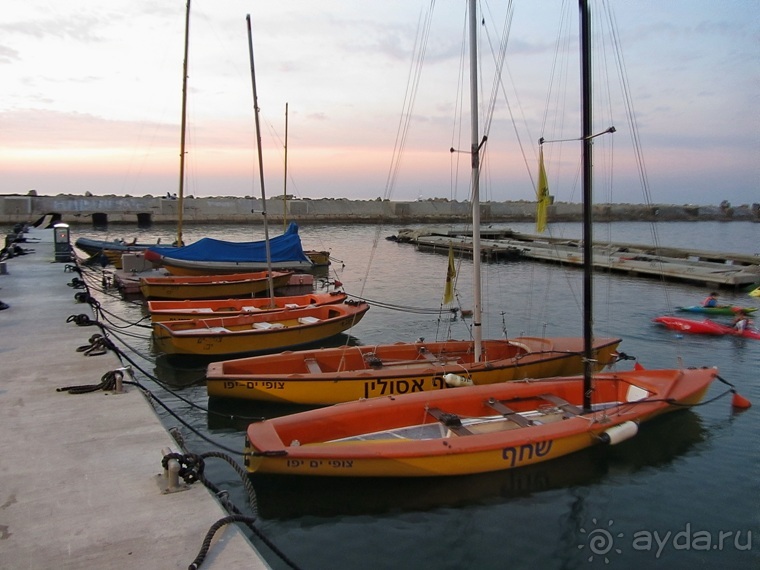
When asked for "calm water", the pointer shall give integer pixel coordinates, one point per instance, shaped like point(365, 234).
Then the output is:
point(669, 496)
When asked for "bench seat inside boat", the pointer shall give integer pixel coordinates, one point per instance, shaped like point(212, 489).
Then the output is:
point(202, 330)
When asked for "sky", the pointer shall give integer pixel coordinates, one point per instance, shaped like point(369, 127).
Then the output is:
point(91, 92)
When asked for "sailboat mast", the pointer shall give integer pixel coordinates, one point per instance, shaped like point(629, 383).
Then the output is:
point(285, 181)
point(477, 330)
point(261, 159)
point(183, 129)
point(586, 138)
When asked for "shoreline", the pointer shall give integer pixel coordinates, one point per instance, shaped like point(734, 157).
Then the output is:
point(148, 210)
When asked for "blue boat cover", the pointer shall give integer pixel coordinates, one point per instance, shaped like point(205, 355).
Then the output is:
point(286, 247)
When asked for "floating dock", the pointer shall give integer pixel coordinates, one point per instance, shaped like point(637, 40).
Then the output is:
point(699, 267)
point(81, 482)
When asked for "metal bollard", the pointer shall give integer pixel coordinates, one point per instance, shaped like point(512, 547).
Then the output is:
point(171, 473)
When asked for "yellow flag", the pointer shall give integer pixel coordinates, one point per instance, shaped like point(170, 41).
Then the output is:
point(451, 273)
point(542, 194)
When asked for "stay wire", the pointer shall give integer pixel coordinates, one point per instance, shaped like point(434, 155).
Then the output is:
point(405, 308)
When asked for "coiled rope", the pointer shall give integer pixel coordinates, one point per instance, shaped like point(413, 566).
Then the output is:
point(107, 382)
point(191, 470)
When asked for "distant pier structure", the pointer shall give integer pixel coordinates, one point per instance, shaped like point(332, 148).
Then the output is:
point(143, 211)
point(678, 264)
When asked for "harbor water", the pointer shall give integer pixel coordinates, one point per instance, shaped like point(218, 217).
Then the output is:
point(683, 493)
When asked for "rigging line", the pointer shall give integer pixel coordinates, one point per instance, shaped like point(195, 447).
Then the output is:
point(413, 81)
point(151, 396)
point(123, 356)
point(415, 73)
point(628, 100)
point(632, 122)
point(558, 92)
point(499, 63)
point(165, 387)
point(501, 66)
point(419, 310)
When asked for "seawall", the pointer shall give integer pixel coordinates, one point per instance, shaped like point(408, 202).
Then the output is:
point(101, 210)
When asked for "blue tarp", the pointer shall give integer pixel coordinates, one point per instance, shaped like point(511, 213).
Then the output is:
point(283, 248)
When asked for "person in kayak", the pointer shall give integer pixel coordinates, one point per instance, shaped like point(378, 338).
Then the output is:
point(711, 300)
point(741, 321)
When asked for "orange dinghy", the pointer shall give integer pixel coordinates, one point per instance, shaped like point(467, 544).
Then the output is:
point(211, 286)
point(469, 430)
point(209, 308)
point(257, 333)
point(332, 375)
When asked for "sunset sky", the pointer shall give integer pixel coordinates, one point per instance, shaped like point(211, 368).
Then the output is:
point(91, 92)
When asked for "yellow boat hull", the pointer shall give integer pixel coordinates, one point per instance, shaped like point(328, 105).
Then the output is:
point(469, 430)
point(211, 287)
point(258, 333)
point(248, 379)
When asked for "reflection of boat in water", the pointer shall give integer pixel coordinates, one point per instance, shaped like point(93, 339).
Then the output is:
point(658, 444)
point(175, 375)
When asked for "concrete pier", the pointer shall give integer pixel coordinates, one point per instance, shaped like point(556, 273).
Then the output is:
point(81, 475)
point(143, 211)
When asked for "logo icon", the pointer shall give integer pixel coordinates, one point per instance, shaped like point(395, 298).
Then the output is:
point(600, 541)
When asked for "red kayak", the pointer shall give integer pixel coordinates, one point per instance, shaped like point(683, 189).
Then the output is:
point(705, 326)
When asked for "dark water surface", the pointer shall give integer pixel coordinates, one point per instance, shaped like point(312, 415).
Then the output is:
point(684, 493)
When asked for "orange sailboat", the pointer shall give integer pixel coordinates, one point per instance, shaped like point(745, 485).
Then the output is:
point(468, 430)
point(210, 308)
point(257, 333)
point(212, 286)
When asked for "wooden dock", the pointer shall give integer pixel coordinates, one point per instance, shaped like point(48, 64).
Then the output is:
point(695, 266)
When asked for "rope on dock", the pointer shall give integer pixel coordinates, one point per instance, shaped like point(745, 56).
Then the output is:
point(191, 470)
point(107, 382)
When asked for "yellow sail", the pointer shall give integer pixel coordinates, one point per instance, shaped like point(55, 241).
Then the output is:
point(451, 273)
point(542, 194)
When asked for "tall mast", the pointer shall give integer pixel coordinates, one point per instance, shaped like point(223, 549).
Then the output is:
point(285, 182)
point(477, 330)
point(261, 159)
point(586, 138)
point(183, 128)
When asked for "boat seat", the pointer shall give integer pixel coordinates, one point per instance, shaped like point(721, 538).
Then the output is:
point(265, 326)
point(292, 305)
point(308, 320)
point(568, 408)
point(250, 309)
point(508, 413)
point(451, 421)
point(312, 365)
point(207, 330)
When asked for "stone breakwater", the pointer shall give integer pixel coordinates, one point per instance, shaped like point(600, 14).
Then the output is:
point(101, 210)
